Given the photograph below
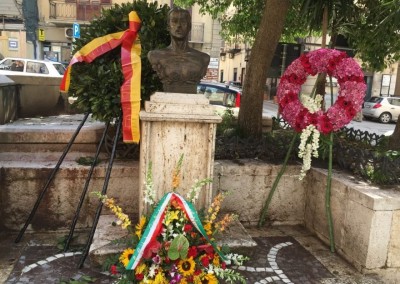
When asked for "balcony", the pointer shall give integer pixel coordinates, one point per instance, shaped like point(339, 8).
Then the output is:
point(197, 33)
point(80, 10)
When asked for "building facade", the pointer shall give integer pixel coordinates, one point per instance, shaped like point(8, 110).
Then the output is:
point(55, 20)
point(12, 30)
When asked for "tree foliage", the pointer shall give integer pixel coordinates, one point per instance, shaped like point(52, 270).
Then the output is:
point(376, 34)
point(97, 85)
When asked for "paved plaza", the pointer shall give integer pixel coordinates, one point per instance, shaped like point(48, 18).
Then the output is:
point(284, 254)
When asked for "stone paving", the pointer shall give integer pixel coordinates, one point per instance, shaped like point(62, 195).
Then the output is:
point(284, 254)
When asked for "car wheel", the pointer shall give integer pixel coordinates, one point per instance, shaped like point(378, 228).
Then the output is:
point(385, 117)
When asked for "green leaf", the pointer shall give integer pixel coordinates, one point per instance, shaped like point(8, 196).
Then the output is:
point(179, 248)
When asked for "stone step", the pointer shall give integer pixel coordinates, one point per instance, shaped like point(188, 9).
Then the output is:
point(50, 134)
point(107, 236)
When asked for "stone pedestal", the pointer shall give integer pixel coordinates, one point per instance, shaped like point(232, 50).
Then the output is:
point(174, 124)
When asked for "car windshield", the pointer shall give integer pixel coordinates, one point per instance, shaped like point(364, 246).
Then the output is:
point(60, 68)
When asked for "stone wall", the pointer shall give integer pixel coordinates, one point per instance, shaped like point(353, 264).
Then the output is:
point(366, 218)
point(248, 182)
point(22, 183)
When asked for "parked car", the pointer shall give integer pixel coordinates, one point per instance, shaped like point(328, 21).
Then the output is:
point(386, 109)
point(31, 67)
point(220, 94)
point(234, 83)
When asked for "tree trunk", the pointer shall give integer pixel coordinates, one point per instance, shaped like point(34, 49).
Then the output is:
point(321, 79)
point(262, 52)
point(394, 140)
point(397, 86)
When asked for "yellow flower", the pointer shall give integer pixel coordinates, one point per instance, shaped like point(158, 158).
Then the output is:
point(171, 215)
point(140, 268)
point(160, 278)
point(175, 180)
point(214, 208)
point(110, 203)
point(175, 176)
point(209, 279)
point(223, 224)
point(207, 227)
point(216, 261)
point(183, 281)
point(186, 266)
point(126, 255)
point(139, 226)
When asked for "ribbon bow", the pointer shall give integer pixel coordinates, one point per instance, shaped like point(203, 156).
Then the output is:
point(131, 69)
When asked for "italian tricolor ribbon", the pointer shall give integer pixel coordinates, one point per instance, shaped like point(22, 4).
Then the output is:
point(155, 225)
point(131, 69)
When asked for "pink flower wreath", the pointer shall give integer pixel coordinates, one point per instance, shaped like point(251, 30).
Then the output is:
point(351, 90)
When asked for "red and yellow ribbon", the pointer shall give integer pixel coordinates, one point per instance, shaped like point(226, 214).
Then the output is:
point(131, 69)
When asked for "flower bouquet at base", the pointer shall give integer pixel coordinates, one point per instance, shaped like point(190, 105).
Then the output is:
point(176, 244)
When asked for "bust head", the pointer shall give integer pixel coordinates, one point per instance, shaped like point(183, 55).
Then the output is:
point(179, 23)
point(179, 66)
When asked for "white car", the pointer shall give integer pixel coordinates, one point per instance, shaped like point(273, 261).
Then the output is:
point(31, 67)
point(386, 109)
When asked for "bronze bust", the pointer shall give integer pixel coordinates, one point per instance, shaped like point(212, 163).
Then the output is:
point(179, 67)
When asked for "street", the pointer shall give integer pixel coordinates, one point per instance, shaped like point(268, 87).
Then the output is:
point(271, 109)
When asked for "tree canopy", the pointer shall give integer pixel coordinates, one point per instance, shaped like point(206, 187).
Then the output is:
point(370, 26)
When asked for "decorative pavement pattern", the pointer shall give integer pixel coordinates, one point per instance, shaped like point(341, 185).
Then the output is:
point(274, 260)
point(281, 260)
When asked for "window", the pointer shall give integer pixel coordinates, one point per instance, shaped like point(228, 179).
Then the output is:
point(395, 102)
point(60, 68)
point(375, 100)
point(214, 95)
point(12, 65)
point(6, 65)
point(36, 67)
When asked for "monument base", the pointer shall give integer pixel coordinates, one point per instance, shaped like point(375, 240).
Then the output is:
point(175, 124)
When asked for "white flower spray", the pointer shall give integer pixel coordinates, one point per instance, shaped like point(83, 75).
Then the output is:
point(309, 138)
point(194, 191)
point(312, 104)
point(309, 144)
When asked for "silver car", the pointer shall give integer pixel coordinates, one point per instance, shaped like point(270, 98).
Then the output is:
point(386, 109)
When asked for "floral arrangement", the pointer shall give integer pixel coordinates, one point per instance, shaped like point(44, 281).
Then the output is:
point(174, 245)
point(350, 97)
point(305, 113)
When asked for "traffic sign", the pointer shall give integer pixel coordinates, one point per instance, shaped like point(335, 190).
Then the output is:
point(41, 35)
point(77, 30)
